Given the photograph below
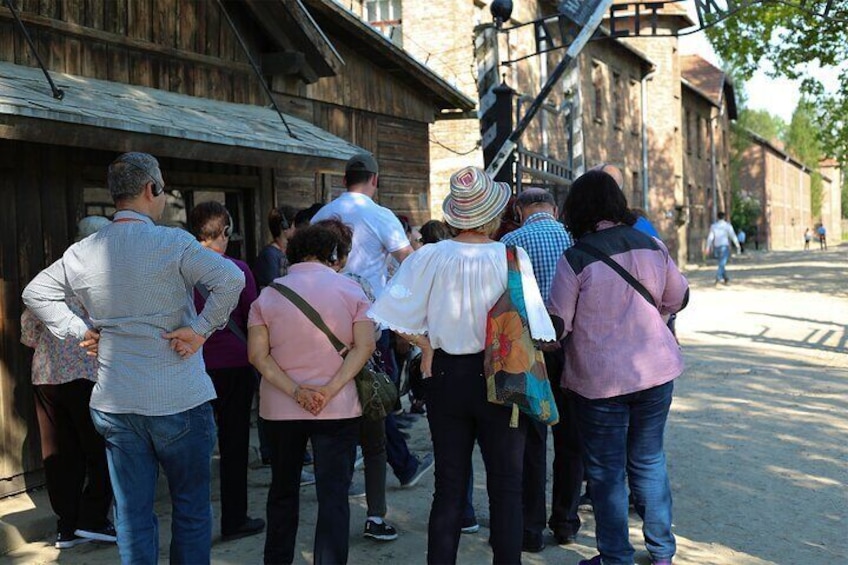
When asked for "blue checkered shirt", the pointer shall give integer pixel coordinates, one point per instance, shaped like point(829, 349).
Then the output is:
point(545, 240)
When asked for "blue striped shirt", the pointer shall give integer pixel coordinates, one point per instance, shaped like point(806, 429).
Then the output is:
point(545, 240)
point(136, 281)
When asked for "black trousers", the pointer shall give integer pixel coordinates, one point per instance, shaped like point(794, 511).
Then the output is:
point(459, 413)
point(74, 456)
point(568, 455)
point(334, 450)
point(235, 389)
point(534, 481)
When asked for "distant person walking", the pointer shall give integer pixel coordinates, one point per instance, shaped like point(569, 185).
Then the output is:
point(808, 237)
point(742, 237)
point(718, 242)
point(822, 237)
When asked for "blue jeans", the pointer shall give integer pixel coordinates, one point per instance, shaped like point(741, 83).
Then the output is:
point(135, 447)
point(723, 254)
point(624, 436)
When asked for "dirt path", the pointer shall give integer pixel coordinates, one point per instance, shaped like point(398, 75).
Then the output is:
point(757, 441)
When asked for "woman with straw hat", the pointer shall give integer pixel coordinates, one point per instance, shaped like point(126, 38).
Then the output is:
point(439, 300)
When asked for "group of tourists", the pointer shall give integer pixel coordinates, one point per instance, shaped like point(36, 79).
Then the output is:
point(149, 341)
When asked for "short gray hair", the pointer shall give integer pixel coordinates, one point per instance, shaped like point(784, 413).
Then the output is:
point(130, 173)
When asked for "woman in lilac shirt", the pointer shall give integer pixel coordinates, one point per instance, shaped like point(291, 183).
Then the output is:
point(621, 361)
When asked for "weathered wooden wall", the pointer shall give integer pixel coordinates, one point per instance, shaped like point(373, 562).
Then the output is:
point(183, 46)
point(42, 188)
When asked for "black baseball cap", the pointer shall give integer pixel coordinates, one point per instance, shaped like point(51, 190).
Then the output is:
point(362, 162)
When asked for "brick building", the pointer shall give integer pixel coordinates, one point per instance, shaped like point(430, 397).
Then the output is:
point(625, 103)
point(709, 103)
point(781, 184)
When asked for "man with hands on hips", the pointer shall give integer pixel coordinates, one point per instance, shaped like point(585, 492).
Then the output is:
point(151, 401)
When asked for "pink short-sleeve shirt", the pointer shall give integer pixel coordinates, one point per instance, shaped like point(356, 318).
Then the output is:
point(300, 348)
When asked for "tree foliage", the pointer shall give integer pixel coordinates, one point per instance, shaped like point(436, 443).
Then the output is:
point(792, 40)
point(802, 142)
point(763, 123)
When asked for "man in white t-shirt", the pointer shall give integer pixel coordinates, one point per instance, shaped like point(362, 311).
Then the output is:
point(721, 236)
point(377, 233)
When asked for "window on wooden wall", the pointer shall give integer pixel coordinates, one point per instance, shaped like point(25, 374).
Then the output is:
point(688, 131)
point(386, 16)
point(635, 108)
point(597, 92)
point(617, 101)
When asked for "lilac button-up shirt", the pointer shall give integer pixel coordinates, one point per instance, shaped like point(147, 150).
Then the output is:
point(618, 342)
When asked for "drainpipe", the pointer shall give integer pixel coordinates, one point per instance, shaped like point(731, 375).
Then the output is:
point(715, 120)
point(644, 95)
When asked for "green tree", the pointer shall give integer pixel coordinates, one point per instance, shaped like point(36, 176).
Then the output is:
point(802, 142)
point(763, 123)
point(790, 38)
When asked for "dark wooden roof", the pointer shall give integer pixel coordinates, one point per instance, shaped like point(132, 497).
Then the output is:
point(708, 81)
point(103, 105)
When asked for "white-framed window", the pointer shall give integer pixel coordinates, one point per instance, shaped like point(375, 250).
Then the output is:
point(387, 17)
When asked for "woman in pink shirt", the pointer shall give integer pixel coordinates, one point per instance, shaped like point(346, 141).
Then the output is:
point(620, 362)
point(307, 390)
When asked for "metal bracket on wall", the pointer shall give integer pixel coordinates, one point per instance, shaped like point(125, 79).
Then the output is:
point(58, 93)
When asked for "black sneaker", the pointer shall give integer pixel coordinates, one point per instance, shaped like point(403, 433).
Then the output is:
point(424, 464)
point(469, 526)
point(105, 534)
point(250, 527)
point(65, 540)
point(380, 532)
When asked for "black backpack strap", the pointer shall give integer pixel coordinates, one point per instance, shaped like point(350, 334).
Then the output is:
point(630, 279)
point(310, 313)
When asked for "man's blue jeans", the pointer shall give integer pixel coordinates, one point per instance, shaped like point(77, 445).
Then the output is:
point(624, 436)
point(135, 447)
point(723, 254)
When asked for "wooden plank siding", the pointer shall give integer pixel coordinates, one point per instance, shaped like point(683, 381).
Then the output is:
point(41, 187)
point(183, 46)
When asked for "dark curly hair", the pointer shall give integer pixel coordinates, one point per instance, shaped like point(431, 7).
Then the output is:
point(434, 231)
point(343, 232)
point(321, 241)
point(595, 197)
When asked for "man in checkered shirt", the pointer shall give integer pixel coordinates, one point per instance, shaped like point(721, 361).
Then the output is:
point(545, 240)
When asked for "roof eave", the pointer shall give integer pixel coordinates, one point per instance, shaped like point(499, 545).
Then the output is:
point(445, 95)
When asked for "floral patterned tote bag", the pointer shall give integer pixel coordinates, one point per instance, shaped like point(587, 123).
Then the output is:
point(514, 368)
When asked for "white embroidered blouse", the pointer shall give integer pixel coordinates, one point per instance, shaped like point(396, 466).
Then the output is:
point(446, 290)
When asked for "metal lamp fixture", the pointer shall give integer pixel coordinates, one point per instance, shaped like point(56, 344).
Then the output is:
point(501, 11)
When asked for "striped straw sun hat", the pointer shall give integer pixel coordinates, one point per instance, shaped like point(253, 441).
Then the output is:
point(474, 199)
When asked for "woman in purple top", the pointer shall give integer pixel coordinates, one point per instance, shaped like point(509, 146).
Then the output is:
point(225, 355)
point(621, 361)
